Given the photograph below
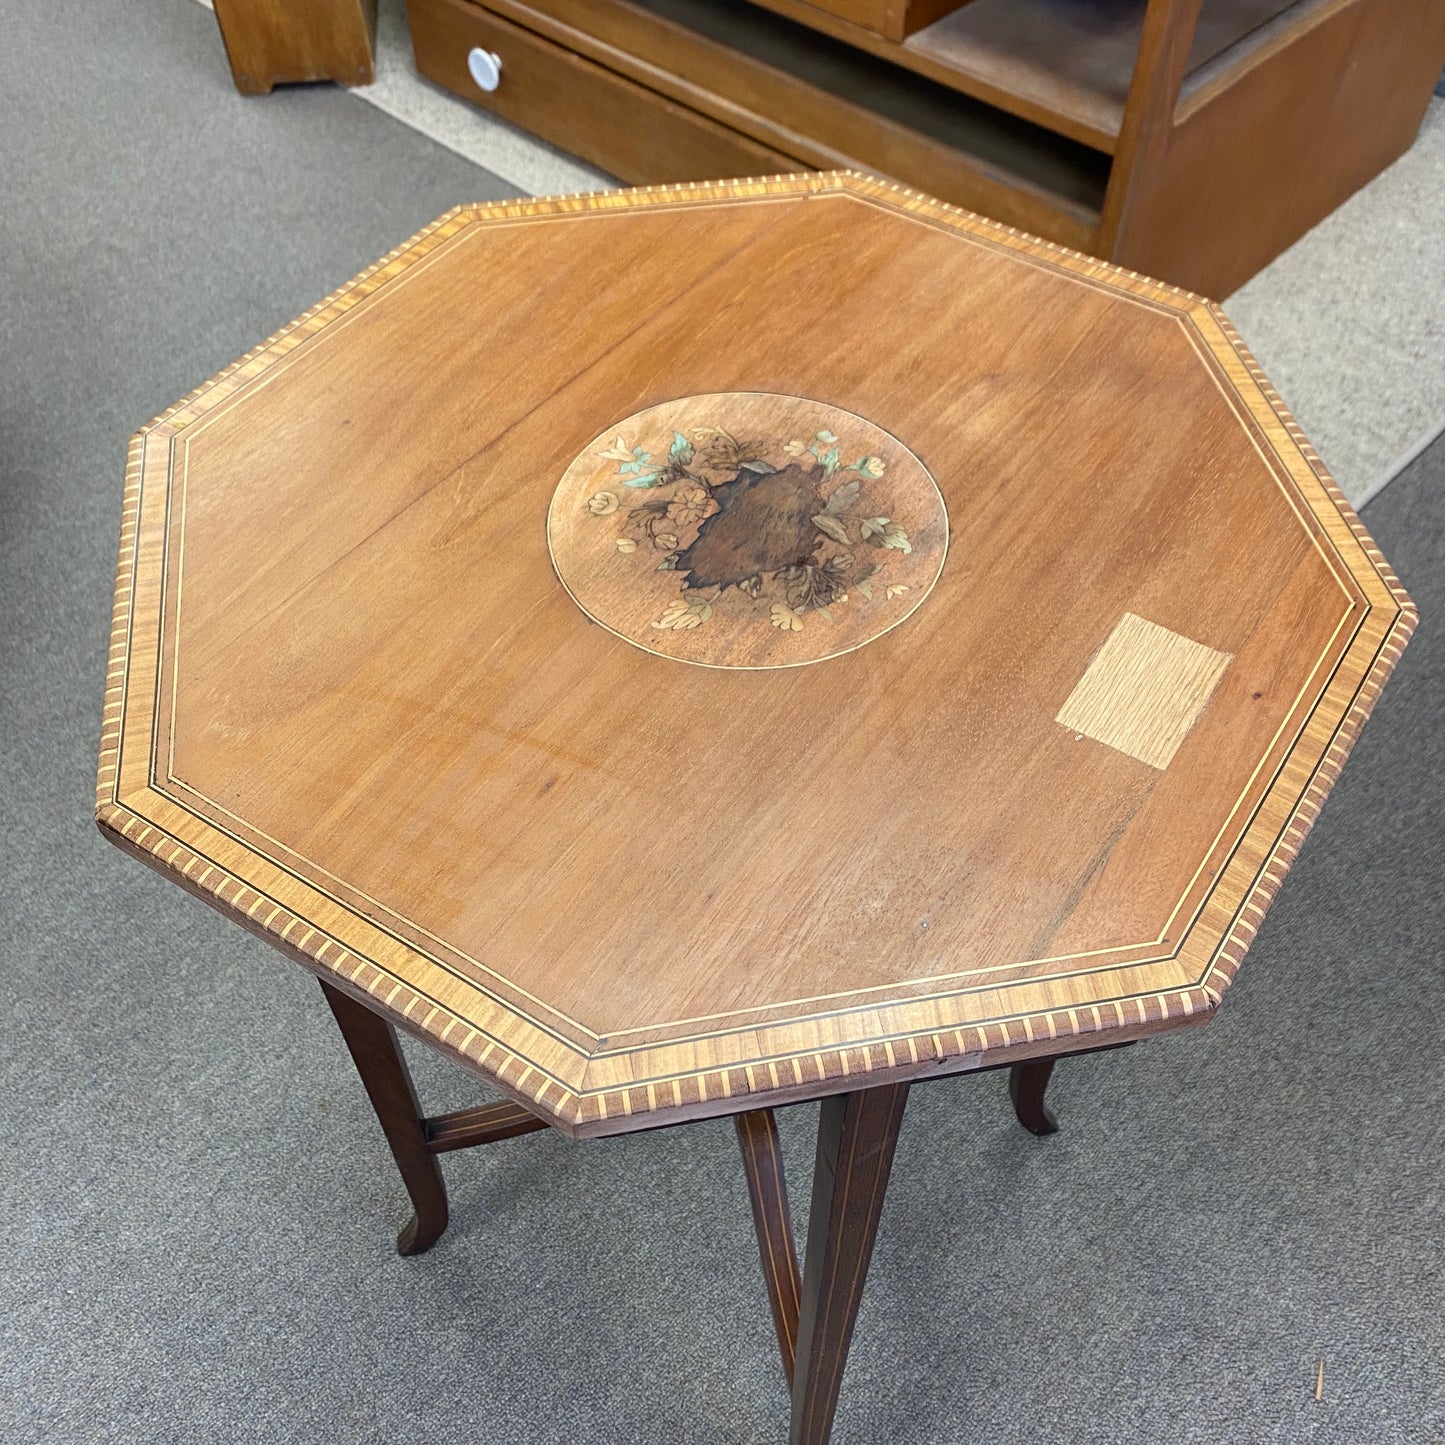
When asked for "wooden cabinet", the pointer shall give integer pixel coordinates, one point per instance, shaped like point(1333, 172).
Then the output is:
point(1188, 139)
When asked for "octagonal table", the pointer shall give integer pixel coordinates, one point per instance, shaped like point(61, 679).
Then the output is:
point(688, 650)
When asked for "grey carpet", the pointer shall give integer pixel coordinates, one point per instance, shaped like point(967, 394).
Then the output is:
point(198, 1205)
point(1350, 321)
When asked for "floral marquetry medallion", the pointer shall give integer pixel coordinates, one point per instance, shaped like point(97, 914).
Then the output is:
point(747, 529)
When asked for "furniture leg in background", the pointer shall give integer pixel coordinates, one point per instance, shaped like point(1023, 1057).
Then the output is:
point(273, 42)
point(1026, 1085)
point(768, 1191)
point(857, 1134)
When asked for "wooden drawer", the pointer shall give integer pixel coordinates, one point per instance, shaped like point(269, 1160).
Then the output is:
point(893, 19)
point(626, 130)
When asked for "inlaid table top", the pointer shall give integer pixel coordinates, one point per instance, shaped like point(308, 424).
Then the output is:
point(684, 649)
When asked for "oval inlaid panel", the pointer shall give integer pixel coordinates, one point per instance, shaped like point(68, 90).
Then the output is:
point(747, 529)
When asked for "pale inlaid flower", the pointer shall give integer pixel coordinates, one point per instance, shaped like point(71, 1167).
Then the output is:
point(872, 466)
point(690, 505)
point(796, 447)
point(679, 615)
point(626, 544)
point(665, 540)
point(619, 451)
point(785, 619)
point(602, 503)
point(896, 590)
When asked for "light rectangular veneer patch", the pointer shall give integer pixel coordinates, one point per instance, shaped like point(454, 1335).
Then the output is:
point(1144, 690)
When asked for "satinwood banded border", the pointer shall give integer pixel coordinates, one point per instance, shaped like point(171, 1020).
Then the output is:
point(591, 1084)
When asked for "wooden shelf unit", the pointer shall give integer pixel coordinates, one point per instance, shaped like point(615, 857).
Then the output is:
point(1066, 64)
point(1189, 139)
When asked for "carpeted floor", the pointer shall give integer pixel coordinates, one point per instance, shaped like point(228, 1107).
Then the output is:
point(199, 1207)
point(1350, 321)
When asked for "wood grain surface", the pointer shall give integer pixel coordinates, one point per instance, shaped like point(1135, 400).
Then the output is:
point(1143, 691)
point(270, 43)
point(352, 705)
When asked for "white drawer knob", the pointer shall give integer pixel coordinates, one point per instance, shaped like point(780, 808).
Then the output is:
point(486, 67)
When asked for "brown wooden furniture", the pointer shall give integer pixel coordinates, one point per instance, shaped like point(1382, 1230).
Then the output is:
point(684, 651)
point(277, 42)
point(1188, 139)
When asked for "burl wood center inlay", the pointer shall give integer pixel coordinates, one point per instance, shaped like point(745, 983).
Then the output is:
point(747, 529)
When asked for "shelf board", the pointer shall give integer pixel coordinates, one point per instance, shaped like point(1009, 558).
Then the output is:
point(1072, 60)
point(1005, 145)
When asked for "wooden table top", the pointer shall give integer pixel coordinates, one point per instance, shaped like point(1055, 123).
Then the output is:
point(685, 649)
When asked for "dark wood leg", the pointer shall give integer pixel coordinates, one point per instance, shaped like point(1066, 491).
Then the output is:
point(1026, 1085)
point(856, 1137)
point(768, 1190)
point(377, 1055)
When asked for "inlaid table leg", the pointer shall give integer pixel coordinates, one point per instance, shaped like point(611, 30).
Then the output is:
point(378, 1058)
point(1026, 1085)
point(768, 1190)
point(856, 1138)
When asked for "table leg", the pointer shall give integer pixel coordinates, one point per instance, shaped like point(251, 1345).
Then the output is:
point(1026, 1085)
point(856, 1137)
point(768, 1190)
point(378, 1058)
